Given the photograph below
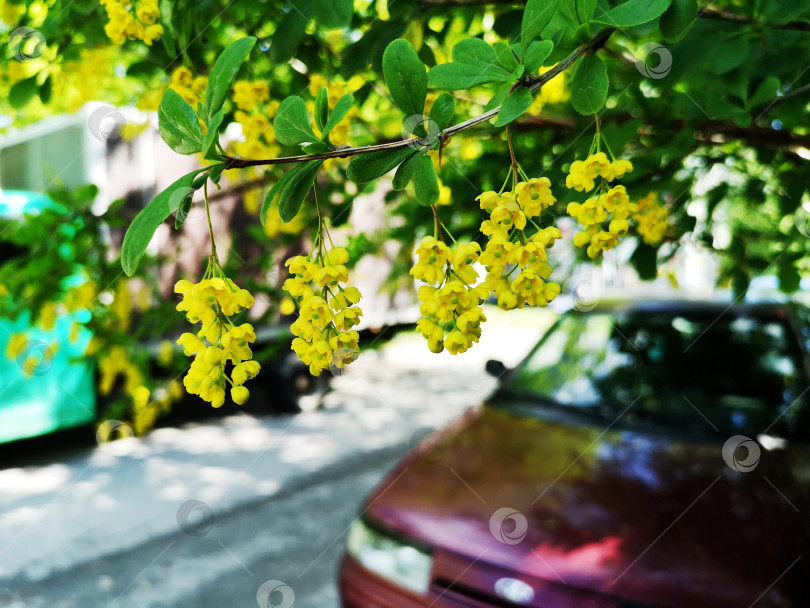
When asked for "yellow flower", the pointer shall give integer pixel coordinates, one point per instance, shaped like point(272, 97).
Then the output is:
point(240, 395)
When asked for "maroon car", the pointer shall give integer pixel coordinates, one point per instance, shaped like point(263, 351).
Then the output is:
point(649, 454)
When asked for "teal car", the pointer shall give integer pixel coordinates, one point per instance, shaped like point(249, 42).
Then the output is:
point(45, 382)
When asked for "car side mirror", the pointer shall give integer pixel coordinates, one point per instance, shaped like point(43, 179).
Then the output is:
point(495, 368)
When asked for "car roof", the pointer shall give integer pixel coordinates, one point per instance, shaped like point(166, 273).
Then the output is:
point(626, 304)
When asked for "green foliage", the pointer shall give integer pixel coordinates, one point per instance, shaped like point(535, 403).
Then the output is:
point(153, 215)
point(632, 12)
point(223, 75)
point(678, 19)
point(589, 85)
point(425, 182)
point(441, 112)
point(516, 104)
point(474, 63)
point(297, 188)
point(291, 124)
point(369, 167)
point(536, 16)
point(405, 77)
point(178, 124)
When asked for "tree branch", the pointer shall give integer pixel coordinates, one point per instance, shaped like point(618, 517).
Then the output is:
point(722, 15)
point(534, 83)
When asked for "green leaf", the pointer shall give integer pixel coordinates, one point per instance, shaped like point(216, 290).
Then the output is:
point(367, 167)
point(297, 189)
point(143, 227)
point(589, 85)
point(474, 63)
point(425, 182)
point(224, 73)
point(291, 123)
point(505, 56)
point(678, 19)
point(22, 92)
point(405, 77)
point(321, 108)
point(342, 107)
point(406, 171)
point(290, 32)
point(765, 92)
point(178, 124)
point(333, 13)
point(516, 104)
point(441, 112)
point(276, 190)
point(789, 277)
point(46, 90)
point(536, 16)
point(209, 150)
point(536, 54)
point(316, 147)
point(632, 12)
point(183, 209)
point(644, 260)
point(585, 10)
point(498, 98)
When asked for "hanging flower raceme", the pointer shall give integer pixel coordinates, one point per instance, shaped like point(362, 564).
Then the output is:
point(220, 347)
point(607, 205)
point(652, 219)
point(515, 254)
point(450, 302)
point(328, 312)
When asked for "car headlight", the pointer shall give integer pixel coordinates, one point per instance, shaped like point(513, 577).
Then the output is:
point(396, 561)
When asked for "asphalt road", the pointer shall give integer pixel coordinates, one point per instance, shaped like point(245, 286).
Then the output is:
point(295, 537)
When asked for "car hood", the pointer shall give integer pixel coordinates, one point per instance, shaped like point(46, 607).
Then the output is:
point(648, 516)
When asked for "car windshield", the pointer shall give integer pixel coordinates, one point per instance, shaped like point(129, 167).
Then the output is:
point(729, 371)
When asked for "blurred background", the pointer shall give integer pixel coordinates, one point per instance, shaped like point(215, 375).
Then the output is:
point(119, 489)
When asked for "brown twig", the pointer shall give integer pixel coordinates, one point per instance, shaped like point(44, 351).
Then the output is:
point(532, 82)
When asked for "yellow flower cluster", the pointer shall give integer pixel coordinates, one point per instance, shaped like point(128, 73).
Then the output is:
point(324, 335)
point(652, 219)
point(138, 21)
point(191, 88)
point(212, 302)
point(611, 205)
point(336, 88)
point(554, 91)
point(509, 249)
point(450, 302)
